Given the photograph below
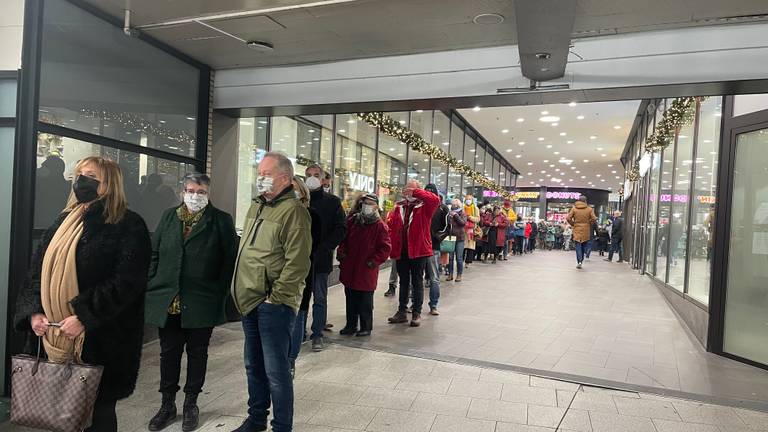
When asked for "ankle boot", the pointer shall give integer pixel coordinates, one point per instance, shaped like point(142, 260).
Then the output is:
point(166, 415)
point(191, 413)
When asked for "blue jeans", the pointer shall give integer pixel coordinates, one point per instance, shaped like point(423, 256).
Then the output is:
point(433, 273)
point(393, 274)
point(459, 254)
point(298, 334)
point(587, 248)
point(268, 331)
point(581, 249)
point(320, 304)
point(615, 247)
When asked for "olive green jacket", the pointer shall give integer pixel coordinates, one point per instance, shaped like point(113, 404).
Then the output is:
point(273, 257)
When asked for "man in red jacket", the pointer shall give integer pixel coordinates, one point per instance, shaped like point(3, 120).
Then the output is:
point(409, 231)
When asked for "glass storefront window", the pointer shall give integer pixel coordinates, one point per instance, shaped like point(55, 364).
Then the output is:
point(392, 165)
point(441, 134)
point(663, 238)
point(746, 305)
point(316, 133)
point(252, 146)
point(95, 79)
point(421, 123)
point(152, 185)
point(703, 196)
point(355, 158)
point(469, 159)
point(678, 228)
point(653, 205)
point(479, 164)
point(457, 151)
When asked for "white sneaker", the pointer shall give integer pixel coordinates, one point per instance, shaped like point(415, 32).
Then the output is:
point(578, 266)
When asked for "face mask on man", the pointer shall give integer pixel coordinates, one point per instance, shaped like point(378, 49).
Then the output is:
point(313, 183)
point(86, 189)
point(369, 210)
point(195, 202)
point(468, 202)
point(264, 184)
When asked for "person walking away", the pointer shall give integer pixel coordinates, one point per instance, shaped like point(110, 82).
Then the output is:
point(365, 248)
point(409, 230)
point(567, 236)
point(299, 332)
point(273, 261)
point(458, 220)
point(332, 231)
point(439, 230)
point(592, 240)
point(470, 228)
point(519, 237)
point(534, 235)
point(603, 237)
point(581, 217)
point(193, 257)
point(89, 275)
point(617, 235)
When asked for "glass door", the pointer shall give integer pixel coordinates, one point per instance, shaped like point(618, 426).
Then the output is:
point(746, 305)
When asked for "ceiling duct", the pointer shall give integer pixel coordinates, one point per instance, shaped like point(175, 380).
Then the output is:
point(544, 30)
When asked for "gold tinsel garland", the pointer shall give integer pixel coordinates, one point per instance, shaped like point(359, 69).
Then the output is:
point(633, 174)
point(135, 122)
point(394, 129)
point(680, 112)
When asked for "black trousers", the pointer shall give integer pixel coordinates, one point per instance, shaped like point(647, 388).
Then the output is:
point(359, 308)
point(173, 339)
point(411, 273)
point(104, 416)
point(469, 255)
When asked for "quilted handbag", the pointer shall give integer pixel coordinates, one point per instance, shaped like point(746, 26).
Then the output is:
point(57, 397)
point(448, 245)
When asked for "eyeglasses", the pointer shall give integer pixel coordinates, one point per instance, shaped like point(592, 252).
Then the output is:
point(196, 192)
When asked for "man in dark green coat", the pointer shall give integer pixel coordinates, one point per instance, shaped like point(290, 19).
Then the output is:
point(193, 258)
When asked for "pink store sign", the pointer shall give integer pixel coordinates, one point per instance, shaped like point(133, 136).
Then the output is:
point(678, 198)
point(563, 195)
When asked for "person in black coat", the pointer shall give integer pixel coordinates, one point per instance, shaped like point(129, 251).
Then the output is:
point(112, 261)
point(617, 235)
point(439, 230)
point(333, 229)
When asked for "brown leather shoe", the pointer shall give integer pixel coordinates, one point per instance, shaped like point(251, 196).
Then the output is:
point(398, 318)
point(415, 320)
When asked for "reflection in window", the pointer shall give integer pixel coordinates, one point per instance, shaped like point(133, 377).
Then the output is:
point(678, 231)
point(441, 137)
point(469, 159)
point(152, 185)
point(355, 158)
point(703, 196)
point(251, 149)
point(653, 204)
point(392, 167)
point(457, 151)
point(421, 123)
point(665, 202)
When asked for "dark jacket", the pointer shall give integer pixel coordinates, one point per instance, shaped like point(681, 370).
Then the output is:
point(112, 264)
point(366, 247)
point(333, 228)
point(617, 230)
point(418, 225)
point(310, 280)
point(198, 269)
point(441, 227)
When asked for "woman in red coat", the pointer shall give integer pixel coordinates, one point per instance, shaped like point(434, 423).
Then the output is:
point(500, 221)
point(365, 248)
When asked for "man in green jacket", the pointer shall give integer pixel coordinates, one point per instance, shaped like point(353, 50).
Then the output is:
point(272, 263)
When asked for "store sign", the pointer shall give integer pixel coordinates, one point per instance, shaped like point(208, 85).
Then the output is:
point(682, 198)
point(563, 195)
point(706, 199)
point(527, 195)
point(361, 182)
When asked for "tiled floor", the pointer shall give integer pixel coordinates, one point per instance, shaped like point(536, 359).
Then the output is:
point(605, 324)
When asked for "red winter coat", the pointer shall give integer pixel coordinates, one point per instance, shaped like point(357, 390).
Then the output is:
point(501, 229)
point(364, 243)
point(528, 229)
point(419, 238)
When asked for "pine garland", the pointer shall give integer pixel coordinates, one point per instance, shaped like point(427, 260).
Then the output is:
point(680, 112)
point(394, 129)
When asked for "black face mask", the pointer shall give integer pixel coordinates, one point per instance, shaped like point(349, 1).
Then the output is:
point(86, 189)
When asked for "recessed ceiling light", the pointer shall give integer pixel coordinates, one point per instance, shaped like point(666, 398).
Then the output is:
point(522, 143)
point(546, 160)
point(436, 132)
point(572, 104)
point(342, 130)
point(613, 172)
point(402, 122)
point(519, 156)
point(476, 109)
point(581, 117)
point(543, 172)
point(617, 127)
point(446, 143)
point(562, 134)
point(552, 165)
point(530, 163)
point(540, 138)
point(598, 175)
point(549, 119)
point(599, 149)
point(557, 153)
point(573, 167)
point(578, 172)
point(544, 113)
point(419, 111)
point(586, 160)
point(351, 121)
point(509, 150)
point(610, 165)
point(570, 141)
point(505, 131)
point(554, 124)
point(593, 137)
point(584, 177)
point(520, 120)
point(549, 146)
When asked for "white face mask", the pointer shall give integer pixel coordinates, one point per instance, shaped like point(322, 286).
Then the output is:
point(369, 209)
point(195, 202)
point(327, 189)
point(264, 184)
point(313, 183)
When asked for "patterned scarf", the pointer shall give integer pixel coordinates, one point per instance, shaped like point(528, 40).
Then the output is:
point(189, 219)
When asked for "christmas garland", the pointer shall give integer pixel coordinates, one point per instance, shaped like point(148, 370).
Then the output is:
point(680, 112)
point(633, 174)
point(134, 122)
point(394, 129)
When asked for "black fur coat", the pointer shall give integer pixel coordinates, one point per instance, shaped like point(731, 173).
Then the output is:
point(112, 266)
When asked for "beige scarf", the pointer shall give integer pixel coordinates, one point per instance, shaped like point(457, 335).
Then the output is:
point(58, 286)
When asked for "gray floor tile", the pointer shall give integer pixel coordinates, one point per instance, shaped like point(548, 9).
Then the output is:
point(387, 420)
point(475, 389)
point(555, 384)
point(576, 420)
point(605, 422)
point(709, 414)
point(514, 427)
point(529, 395)
point(335, 393)
point(506, 377)
point(343, 416)
point(486, 409)
point(646, 408)
point(753, 419)
point(424, 383)
point(444, 423)
point(677, 426)
point(219, 424)
point(594, 402)
point(376, 378)
point(303, 410)
point(441, 404)
point(385, 398)
point(449, 370)
point(545, 416)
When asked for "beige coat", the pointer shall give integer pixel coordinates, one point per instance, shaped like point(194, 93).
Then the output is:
point(581, 217)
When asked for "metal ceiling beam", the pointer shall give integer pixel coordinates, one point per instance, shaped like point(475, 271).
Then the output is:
point(544, 30)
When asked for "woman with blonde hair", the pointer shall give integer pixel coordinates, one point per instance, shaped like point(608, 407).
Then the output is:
point(85, 296)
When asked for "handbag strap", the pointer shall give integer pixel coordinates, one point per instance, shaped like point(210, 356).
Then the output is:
point(37, 358)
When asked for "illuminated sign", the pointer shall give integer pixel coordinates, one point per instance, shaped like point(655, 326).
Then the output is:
point(563, 195)
point(361, 182)
point(527, 195)
point(682, 198)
